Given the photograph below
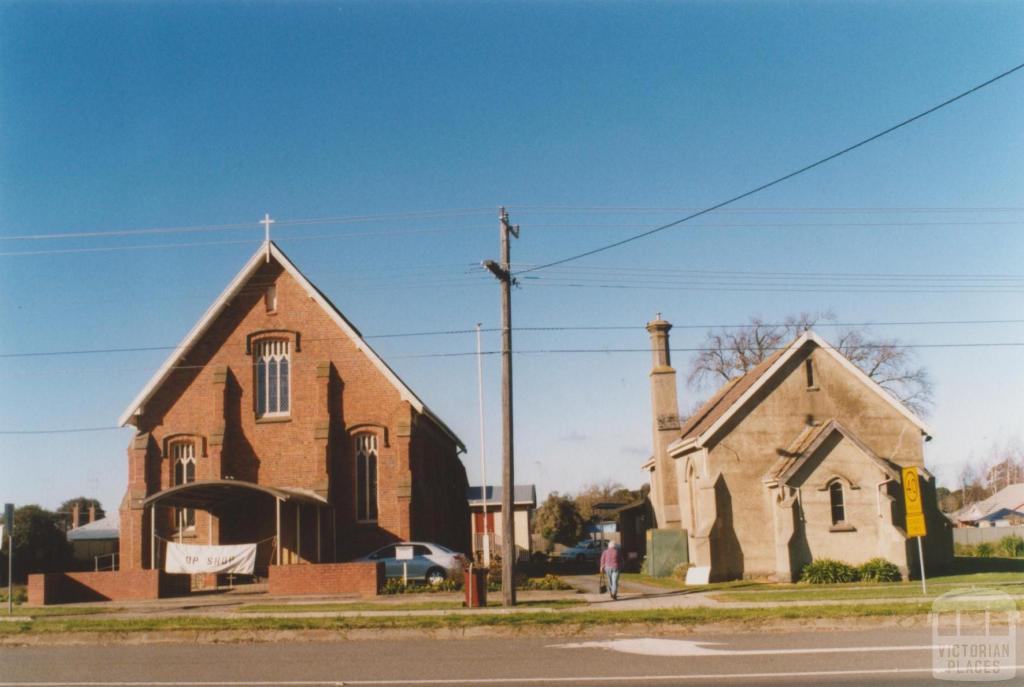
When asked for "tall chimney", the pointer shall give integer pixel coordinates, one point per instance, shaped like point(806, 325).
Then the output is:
point(665, 416)
point(76, 513)
point(92, 513)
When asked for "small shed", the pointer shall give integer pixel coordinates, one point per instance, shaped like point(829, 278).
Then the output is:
point(95, 546)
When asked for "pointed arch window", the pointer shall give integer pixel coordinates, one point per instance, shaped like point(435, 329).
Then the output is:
point(183, 455)
point(366, 477)
point(838, 502)
point(273, 372)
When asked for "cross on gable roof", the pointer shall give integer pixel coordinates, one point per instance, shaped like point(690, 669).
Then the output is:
point(209, 317)
point(733, 395)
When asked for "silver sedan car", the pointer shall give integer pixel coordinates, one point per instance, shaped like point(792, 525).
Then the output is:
point(431, 563)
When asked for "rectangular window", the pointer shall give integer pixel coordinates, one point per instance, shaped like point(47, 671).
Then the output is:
point(809, 370)
point(271, 298)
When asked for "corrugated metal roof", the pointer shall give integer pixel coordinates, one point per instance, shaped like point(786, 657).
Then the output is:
point(108, 527)
point(725, 397)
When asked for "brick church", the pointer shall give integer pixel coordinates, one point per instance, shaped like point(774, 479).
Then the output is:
point(275, 422)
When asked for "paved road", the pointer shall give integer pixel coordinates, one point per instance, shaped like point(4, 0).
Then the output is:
point(882, 657)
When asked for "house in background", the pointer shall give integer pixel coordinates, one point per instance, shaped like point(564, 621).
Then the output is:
point(1004, 508)
point(634, 520)
point(798, 459)
point(274, 422)
point(524, 504)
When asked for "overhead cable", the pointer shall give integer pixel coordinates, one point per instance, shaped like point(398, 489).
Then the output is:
point(777, 180)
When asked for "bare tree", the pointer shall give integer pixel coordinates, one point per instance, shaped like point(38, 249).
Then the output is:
point(730, 353)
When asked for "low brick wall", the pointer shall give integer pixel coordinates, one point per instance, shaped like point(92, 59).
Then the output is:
point(364, 579)
point(115, 585)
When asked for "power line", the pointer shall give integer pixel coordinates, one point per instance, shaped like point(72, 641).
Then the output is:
point(459, 332)
point(202, 228)
point(785, 225)
point(780, 288)
point(781, 179)
point(761, 211)
point(570, 351)
point(57, 431)
point(885, 275)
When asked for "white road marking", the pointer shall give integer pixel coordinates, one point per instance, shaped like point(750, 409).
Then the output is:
point(587, 679)
point(650, 646)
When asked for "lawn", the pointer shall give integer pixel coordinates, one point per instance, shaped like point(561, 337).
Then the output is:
point(1008, 582)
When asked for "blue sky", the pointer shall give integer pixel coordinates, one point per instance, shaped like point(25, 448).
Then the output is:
point(126, 116)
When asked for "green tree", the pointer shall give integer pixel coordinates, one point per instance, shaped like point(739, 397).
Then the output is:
point(558, 521)
point(40, 544)
point(596, 494)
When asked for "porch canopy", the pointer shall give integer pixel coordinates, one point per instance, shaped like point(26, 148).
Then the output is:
point(218, 495)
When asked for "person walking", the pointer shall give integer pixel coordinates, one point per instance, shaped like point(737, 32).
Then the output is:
point(611, 561)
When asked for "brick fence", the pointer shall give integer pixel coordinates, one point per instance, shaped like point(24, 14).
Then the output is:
point(364, 579)
point(119, 585)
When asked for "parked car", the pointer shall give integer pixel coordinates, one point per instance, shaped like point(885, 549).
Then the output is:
point(431, 563)
point(588, 550)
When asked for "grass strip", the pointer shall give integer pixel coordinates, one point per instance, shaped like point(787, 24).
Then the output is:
point(851, 594)
point(40, 612)
point(354, 606)
point(687, 616)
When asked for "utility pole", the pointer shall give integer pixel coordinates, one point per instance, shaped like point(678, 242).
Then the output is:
point(503, 272)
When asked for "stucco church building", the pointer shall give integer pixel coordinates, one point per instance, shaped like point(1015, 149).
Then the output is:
point(274, 422)
point(799, 459)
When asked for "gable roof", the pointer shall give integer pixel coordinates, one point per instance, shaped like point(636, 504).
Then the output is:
point(267, 251)
point(1008, 498)
point(107, 527)
point(809, 441)
point(728, 400)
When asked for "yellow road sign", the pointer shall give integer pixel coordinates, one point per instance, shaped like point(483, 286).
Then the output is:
point(912, 501)
point(915, 525)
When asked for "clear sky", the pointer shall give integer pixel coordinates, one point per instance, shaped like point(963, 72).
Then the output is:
point(590, 121)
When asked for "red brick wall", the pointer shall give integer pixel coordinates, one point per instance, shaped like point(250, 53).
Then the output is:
point(336, 392)
point(120, 585)
point(364, 579)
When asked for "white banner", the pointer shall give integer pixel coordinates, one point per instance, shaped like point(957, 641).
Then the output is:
point(197, 558)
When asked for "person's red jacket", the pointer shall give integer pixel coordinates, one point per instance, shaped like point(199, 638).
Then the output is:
point(611, 559)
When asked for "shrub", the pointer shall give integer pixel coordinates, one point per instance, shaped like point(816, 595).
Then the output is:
point(984, 550)
point(879, 570)
point(20, 595)
point(393, 585)
point(1011, 545)
point(827, 571)
point(965, 550)
point(548, 582)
